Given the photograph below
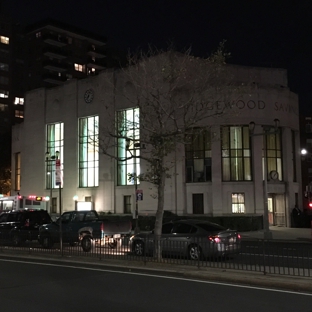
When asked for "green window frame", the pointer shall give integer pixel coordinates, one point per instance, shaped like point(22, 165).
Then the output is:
point(54, 143)
point(128, 146)
point(236, 153)
point(198, 156)
point(88, 152)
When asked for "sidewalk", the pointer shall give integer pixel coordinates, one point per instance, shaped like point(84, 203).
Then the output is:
point(282, 233)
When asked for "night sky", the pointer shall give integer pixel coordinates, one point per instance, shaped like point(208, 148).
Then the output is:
point(271, 33)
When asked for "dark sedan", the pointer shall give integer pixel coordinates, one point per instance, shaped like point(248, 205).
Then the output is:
point(191, 238)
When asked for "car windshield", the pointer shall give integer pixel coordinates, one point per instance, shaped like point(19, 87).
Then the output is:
point(211, 227)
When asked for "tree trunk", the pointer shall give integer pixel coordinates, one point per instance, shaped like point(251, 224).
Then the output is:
point(159, 217)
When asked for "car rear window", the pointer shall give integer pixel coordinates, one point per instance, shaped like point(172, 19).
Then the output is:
point(210, 227)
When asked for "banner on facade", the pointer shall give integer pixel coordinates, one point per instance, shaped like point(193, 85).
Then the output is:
point(58, 172)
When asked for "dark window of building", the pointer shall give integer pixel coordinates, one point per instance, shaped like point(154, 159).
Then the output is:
point(198, 203)
point(273, 151)
point(127, 204)
point(198, 156)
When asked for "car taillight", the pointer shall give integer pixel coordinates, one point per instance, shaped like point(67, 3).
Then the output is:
point(238, 236)
point(214, 239)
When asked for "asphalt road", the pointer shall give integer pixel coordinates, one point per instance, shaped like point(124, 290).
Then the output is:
point(33, 286)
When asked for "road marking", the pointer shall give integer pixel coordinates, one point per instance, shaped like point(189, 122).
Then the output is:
point(158, 276)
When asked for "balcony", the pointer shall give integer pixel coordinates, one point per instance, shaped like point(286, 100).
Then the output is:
point(54, 66)
point(96, 52)
point(55, 39)
point(97, 64)
point(54, 52)
point(54, 79)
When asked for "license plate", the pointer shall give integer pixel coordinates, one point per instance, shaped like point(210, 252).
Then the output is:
point(232, 240)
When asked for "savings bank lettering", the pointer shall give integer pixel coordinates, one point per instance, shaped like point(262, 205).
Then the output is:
point(250, 104)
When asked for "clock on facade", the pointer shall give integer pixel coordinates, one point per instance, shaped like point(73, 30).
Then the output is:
point(274, 175)
point(89, 95)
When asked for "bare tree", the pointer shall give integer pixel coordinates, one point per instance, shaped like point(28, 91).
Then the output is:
point(176, 96)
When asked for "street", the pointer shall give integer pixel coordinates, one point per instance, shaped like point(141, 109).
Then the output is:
point(34, 286)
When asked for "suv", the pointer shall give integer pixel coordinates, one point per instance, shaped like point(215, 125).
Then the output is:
point(21, 225)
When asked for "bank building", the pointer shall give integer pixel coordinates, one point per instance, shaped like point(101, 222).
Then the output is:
point(221, 173)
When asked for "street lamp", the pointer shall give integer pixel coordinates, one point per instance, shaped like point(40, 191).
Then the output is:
point(55, 159)
point(266, 131)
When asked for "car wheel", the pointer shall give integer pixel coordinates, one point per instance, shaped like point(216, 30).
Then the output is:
point(46, 241)
point(16, 239)
point(138, 248)
point(86, 244)
point(194, 252)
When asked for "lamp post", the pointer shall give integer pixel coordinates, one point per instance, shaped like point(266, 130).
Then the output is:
point(50, 159)
point(55, 159)
point(266, 131)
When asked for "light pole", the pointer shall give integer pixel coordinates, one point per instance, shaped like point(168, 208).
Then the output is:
point(50, 159)
point(266, 131)
point(55, 159)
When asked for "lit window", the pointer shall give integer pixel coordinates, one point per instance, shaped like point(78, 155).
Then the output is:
point(4, 94)
point(91, 71)
point(19, 113)
point(88, 152)
point(79, 67)
point(128, 150)
point(54, 143)
point(4, 40)
point(19, 101)
point(236, 160)
point(17, 171)
point(238, 202)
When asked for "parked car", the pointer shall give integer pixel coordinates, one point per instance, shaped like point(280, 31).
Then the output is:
point(190, 238)
point(84, 226)
point(18, 226)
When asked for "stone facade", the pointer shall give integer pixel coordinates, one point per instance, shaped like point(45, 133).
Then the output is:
point(267, 100)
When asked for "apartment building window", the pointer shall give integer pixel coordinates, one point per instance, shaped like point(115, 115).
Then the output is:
point(128, 149)
point(19, 113)
point(4, 107)
point(17, 171)
point(127, 204)
point(198, 203)
point(4, 80)
point(4, 66)
point(272, 144)
point(236, 160)
point(79, 67)
point(4, 40)
point(19, 101)
point(4, 94)
point(198, 156)
point(54, 143)
point(91, 71)
point(238, 203)
point(88, 152)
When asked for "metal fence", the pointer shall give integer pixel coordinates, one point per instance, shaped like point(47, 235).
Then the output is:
point(265, 256)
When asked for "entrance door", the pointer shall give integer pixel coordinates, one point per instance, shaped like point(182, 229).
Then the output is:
point(270, 210)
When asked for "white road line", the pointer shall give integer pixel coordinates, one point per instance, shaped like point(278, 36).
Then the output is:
point(159, 276)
